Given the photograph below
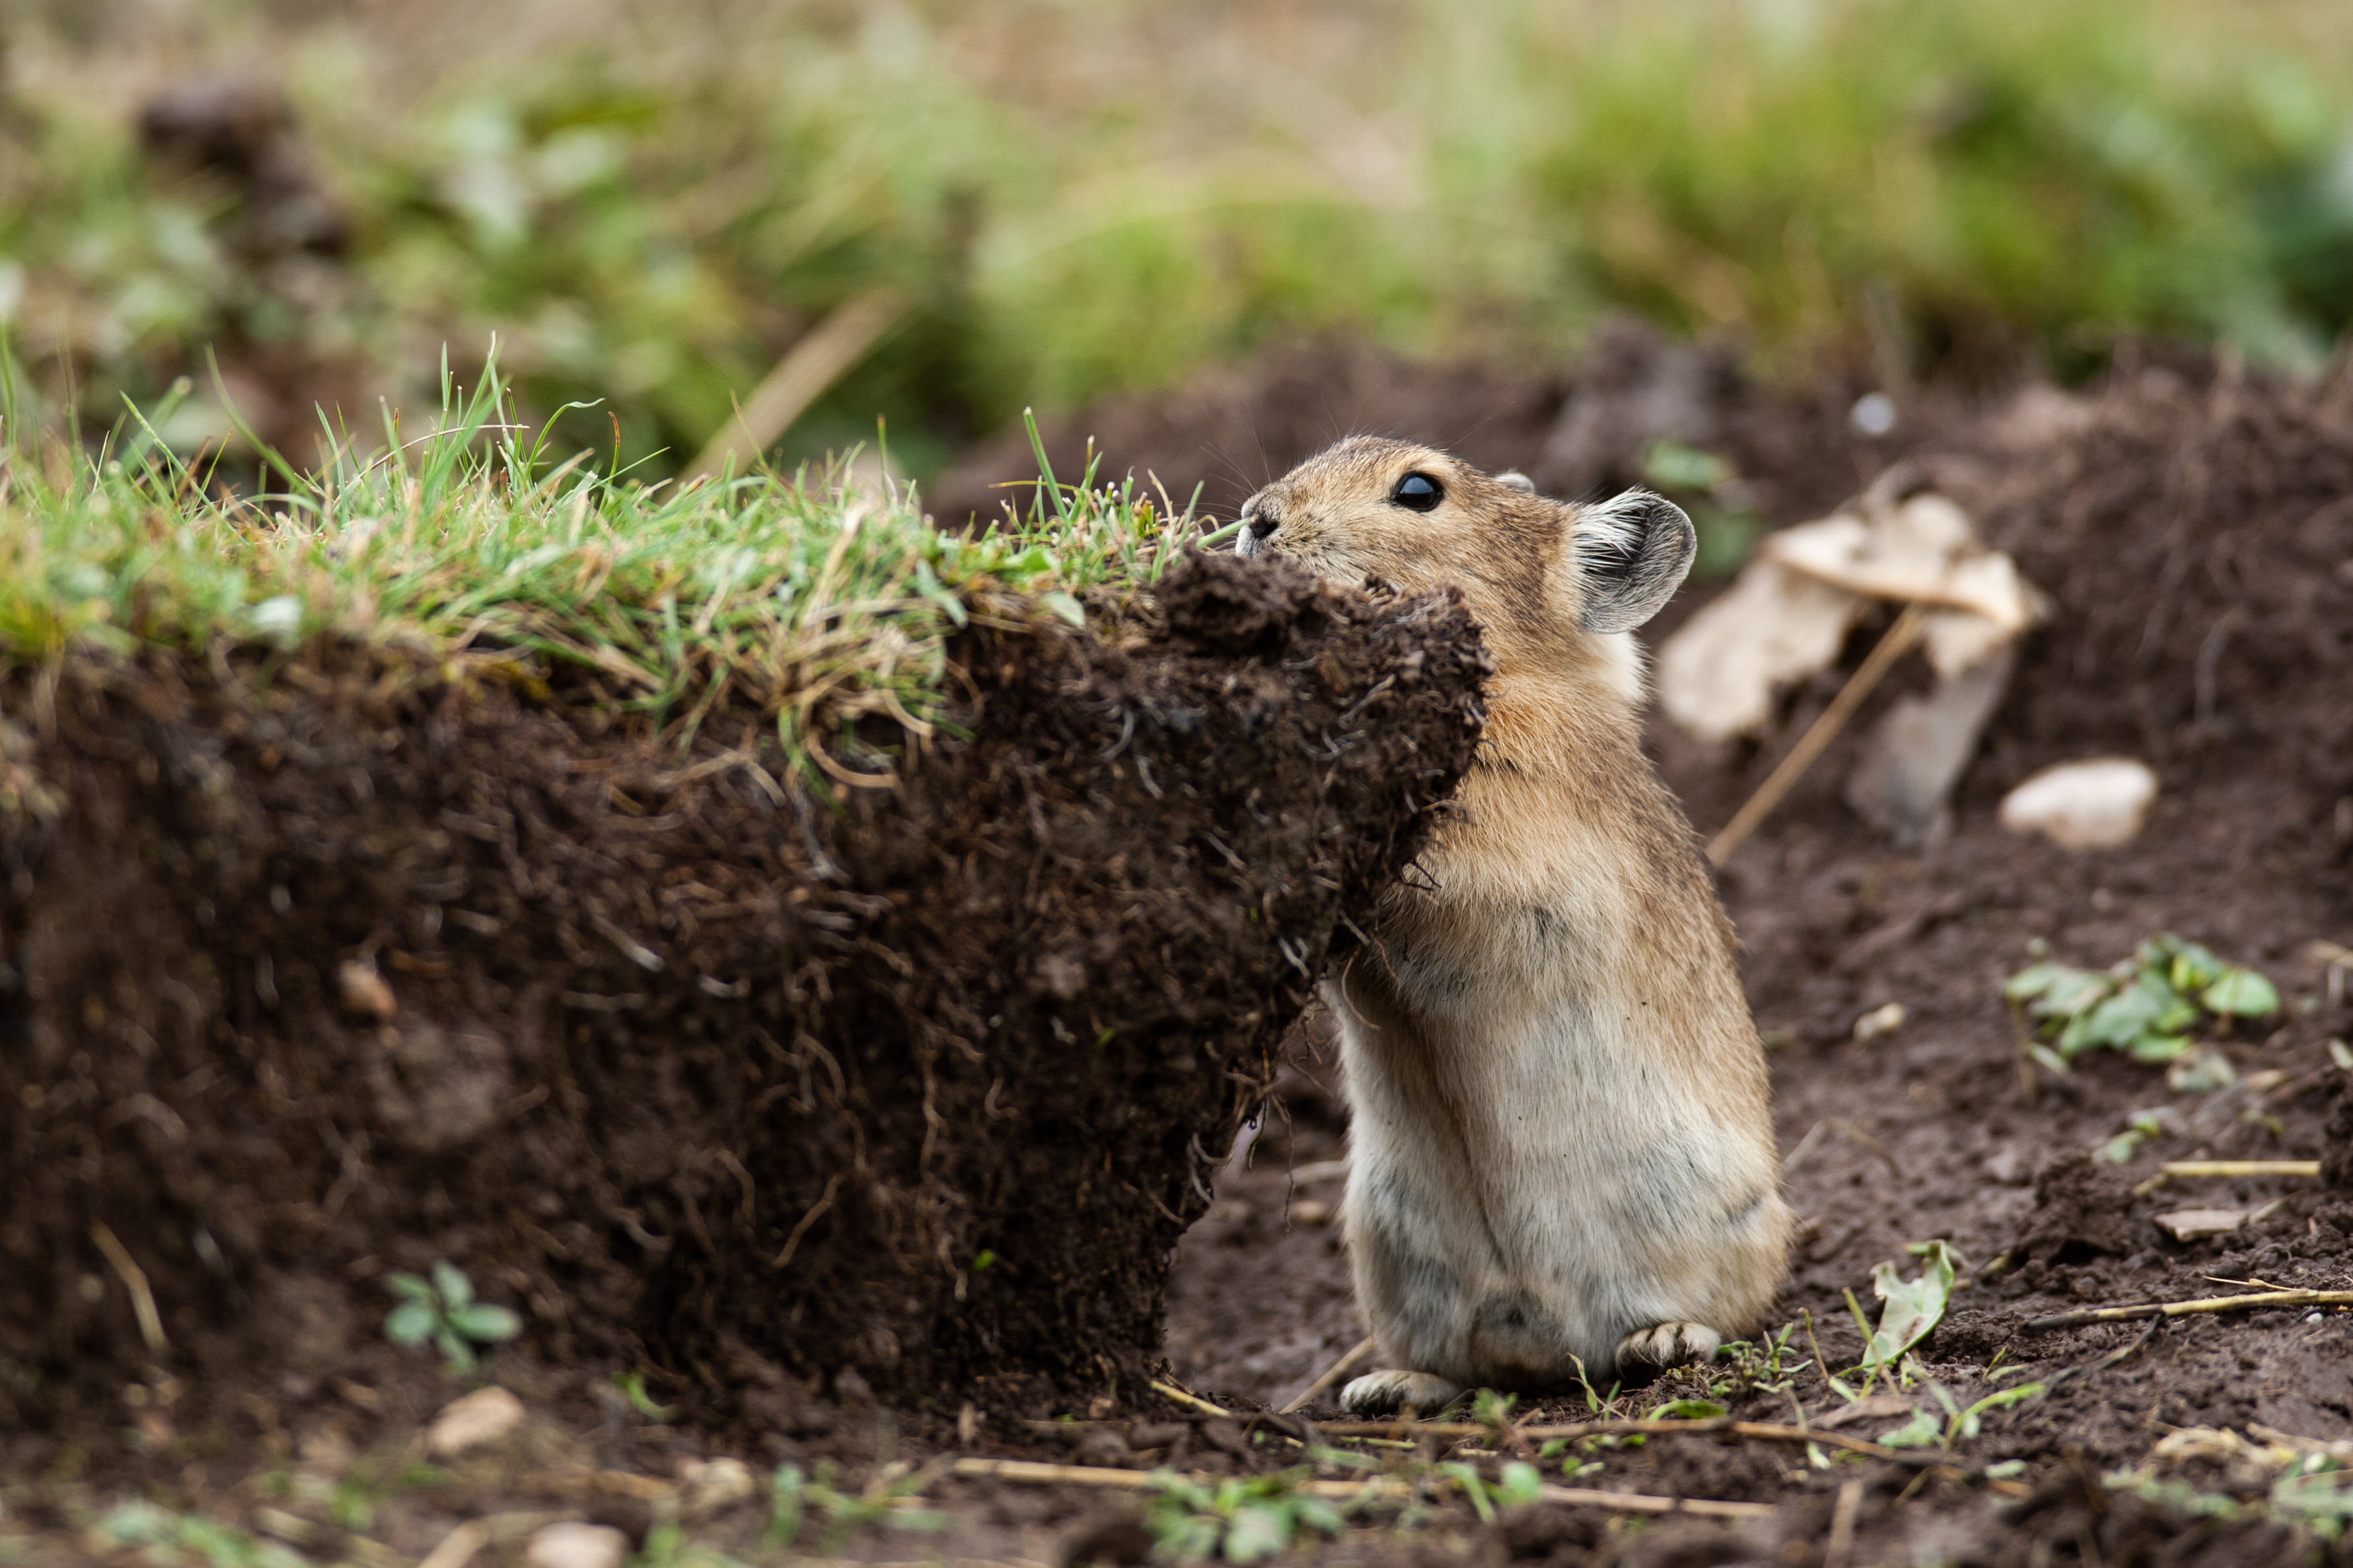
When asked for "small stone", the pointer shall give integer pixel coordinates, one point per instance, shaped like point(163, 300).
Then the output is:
point(714, 1483)
point(572, 1544)
point(363, 991)
point(1311, 1211)
point(1874, 415)
point(482, 1416)
point(2196, 1224)
point(2093, 805)
point(1879, 1021)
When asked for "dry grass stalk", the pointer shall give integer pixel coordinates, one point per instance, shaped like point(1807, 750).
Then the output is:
point(2188, 1309)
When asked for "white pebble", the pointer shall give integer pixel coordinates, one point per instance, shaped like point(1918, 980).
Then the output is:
point(2093, 805)
point(715, 1483)
point(1879, 1021)
point(1873, 413)
point(482, 1416)
point(576, 1545)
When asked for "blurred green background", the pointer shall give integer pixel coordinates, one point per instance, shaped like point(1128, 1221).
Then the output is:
point(648, 202)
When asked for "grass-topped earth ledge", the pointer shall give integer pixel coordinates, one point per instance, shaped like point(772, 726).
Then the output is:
point(749, 934)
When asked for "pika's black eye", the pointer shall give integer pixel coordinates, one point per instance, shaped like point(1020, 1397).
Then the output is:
point(1418, 492)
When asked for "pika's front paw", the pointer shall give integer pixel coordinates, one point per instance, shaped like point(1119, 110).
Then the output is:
point(1669, 1345)
point(1378, 1392)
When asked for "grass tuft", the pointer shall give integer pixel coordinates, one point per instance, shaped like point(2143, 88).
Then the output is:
point(814, 601)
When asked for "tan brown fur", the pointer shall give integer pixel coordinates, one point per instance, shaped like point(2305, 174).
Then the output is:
point(1563, 1145)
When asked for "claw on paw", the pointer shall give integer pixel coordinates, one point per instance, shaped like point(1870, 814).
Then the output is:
point(1669, 1345)
point(1378, 1392)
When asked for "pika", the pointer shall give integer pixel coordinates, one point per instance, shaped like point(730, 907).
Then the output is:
point(1562, 1155)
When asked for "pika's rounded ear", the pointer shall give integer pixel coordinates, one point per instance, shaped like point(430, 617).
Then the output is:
point(1632, 552)
point(1517, 481)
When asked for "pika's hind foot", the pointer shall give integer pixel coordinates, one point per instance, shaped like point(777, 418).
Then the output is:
point(1669, 1345)
point(1378, 1392)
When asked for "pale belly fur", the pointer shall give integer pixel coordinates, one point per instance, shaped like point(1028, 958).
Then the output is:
point(1531, 1181)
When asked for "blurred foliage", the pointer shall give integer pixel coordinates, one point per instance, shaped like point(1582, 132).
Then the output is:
point(648, 204)
point(1958, 180)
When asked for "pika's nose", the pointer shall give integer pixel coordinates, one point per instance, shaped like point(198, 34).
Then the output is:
point(1257, 528)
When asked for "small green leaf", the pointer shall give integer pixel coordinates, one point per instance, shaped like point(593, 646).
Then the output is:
point(2031, 982)
point(485, 1323)
point(1474, 1487)
point(1914, 1307)
point(1671, 466)
point(1315, 1512)
point(2119, 1148)
point(632, 1386)
point(2147, 1007)
point(411, 1286)
point(2201, 1071)
point(1686, 1410)
point(2155, 1049)
point(455, 1288)
point(2069, 992)
point(1923, 1429)
point(1257, 1530)
point(454, 1349)
point(1062, 604)
point(2241, 993)
point(2194, 968)
point(784, 1503)
point(411, 1323)
point(2006, 1469)
point(1520, 1485)
point(2044, 1056)
point(1966, 1424)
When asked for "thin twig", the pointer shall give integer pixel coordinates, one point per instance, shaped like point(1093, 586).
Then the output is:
point(1897, 641)
point(1713, 1425)
point(1139, 1480)
point(1175, 1396)
point(2184, 1308)
point(2240, 1168)
point(135, 1279)
point(1331, 1374)
point(1840, 1547)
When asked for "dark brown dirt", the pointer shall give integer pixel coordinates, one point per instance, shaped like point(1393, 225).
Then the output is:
point(317, 973)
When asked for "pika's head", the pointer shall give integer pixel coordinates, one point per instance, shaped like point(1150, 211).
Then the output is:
point(1535, 572)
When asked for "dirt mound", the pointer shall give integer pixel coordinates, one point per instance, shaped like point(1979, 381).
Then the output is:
point(317, 972)
point(2196, 534)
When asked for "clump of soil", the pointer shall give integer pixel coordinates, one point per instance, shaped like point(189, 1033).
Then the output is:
point(319, 970)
